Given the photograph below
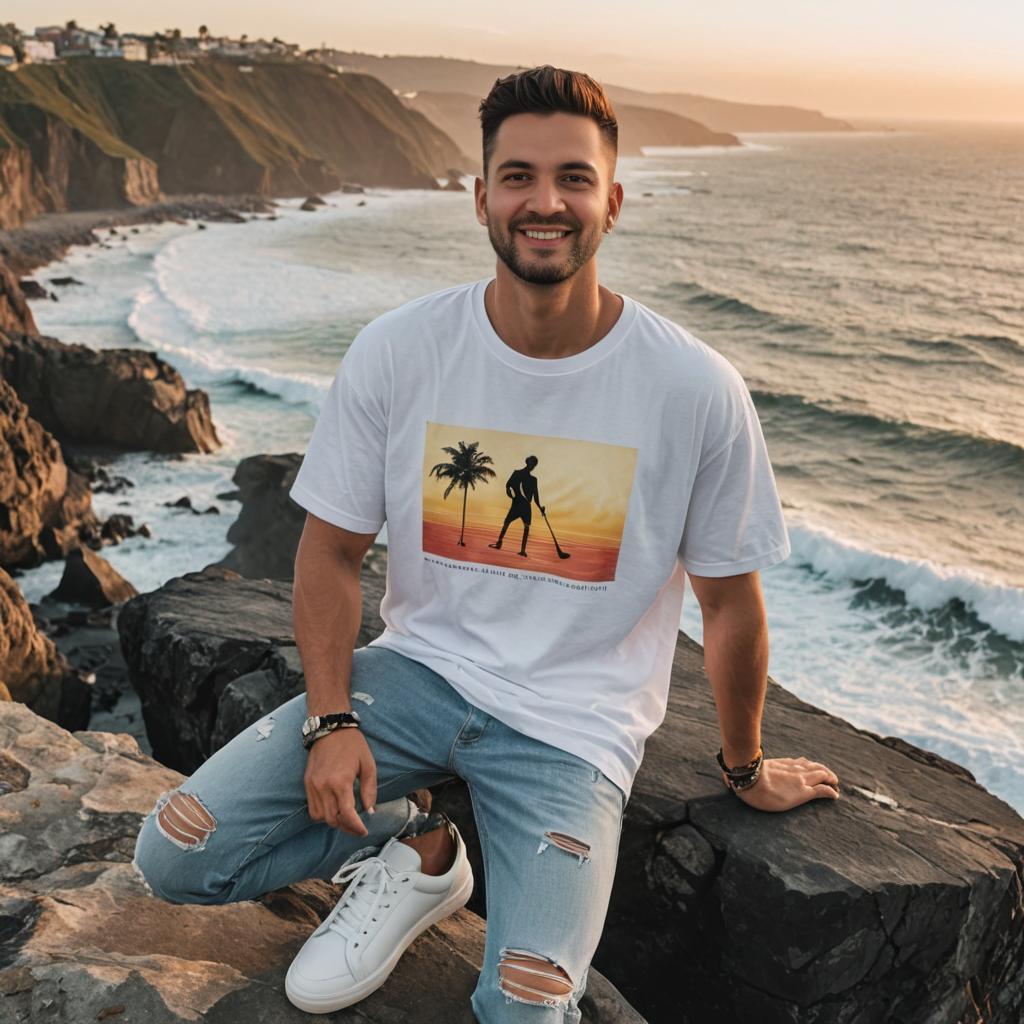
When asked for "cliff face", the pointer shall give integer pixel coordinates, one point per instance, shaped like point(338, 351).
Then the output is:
point(645, 126)
point(15, 314)
point(94, 133)
point(53, 158)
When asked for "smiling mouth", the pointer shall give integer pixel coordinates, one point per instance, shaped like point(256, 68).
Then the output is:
point(551, 235)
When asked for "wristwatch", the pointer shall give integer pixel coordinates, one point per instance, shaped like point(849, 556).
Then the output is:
point(320, 725)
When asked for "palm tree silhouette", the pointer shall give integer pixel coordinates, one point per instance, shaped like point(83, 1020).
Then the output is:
point(466, 468)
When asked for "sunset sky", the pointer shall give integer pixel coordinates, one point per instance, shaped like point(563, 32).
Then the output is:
point(589, 483)
point(872, 58)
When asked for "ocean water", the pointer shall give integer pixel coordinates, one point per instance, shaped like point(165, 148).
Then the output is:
point(868, 287)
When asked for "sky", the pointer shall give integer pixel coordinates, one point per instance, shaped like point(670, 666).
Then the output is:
point(898, 59)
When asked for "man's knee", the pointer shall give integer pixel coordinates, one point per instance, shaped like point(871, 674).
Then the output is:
point(180, 820)
point(533, 978)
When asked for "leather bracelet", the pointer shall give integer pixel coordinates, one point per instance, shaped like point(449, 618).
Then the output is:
point(741, 776)
point(308, 741)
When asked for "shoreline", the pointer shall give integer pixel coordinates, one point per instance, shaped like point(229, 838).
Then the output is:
point(47, 238)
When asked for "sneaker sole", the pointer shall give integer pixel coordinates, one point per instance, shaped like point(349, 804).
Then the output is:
point(324, 1004)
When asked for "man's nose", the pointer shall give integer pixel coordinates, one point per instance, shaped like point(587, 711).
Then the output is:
point(545, 198)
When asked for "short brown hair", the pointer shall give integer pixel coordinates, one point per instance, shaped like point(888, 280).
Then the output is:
point(546, 89)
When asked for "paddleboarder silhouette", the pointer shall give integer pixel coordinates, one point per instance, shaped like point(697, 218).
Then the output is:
point(521, 487)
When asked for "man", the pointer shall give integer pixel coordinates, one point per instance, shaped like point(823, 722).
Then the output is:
point(537, 689)
point(521, 487)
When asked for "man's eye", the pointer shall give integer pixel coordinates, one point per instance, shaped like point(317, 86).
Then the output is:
point(578, 177)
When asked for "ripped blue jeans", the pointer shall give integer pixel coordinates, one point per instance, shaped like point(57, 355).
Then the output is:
point(549, 825)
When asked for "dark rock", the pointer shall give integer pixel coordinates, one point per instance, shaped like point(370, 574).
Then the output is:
point(315, 201)
point(118, 527)
point(362, 202)
point(267, 531)
point(33, 289)
point(104, 483)
point(186, 699)
point(63, 282)
point(45, 508)
point(183, 502)
point(309, 206)
point(200, 227)
point(454, 184)
point(87, 638)
point(91, 580)
point(226, 217)
point(127, 398)
point(899, 902)
point(235, 495)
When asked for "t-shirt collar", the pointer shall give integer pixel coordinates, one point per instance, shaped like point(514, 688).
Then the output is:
point(530, 364)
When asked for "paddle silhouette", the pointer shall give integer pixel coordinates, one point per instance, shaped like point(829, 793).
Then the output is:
point(466, 468)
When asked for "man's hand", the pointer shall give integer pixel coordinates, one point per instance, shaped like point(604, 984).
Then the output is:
point(787, 782)
point(334, 763)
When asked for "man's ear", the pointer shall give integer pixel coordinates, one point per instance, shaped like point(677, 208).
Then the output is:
point(615, 197)
point(480, 200)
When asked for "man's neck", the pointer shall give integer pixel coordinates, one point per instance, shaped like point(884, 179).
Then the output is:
point(550, 321)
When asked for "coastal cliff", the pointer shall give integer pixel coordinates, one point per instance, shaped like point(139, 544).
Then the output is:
point(90, 134)
point(407, 74)
point(456, 113)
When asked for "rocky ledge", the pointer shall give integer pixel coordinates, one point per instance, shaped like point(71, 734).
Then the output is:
point(82, 939)
point(901, 901)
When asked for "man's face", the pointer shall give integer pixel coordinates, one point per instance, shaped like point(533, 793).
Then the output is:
point(551, 172)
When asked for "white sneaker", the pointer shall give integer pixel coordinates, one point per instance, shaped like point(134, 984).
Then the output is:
point(388, 902)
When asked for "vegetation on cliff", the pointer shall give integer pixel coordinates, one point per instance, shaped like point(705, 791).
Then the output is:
point(91, 133)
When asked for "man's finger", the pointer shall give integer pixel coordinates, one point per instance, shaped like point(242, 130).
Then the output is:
point(316, 811)
point(368, 785)
point(330, 808)
point(348, 820)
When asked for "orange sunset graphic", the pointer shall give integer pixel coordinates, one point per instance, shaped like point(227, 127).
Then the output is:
point(536, 504)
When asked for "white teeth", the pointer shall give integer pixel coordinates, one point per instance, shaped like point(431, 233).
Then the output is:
point(546, 234)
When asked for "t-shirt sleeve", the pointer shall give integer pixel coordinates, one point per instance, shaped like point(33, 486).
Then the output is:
point(341, 478)
point(734, 520)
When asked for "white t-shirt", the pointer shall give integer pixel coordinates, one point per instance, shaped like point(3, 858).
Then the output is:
point(647, 458)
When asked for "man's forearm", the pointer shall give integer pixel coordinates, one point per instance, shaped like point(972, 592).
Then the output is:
point(736, 659)
point(328, 611)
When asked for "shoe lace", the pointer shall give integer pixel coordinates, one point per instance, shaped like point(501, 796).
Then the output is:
point(369, 881)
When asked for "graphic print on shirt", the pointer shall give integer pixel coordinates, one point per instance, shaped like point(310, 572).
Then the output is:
point(526, 502)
